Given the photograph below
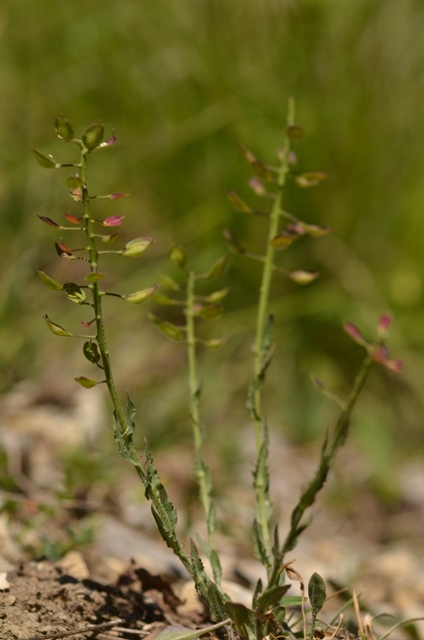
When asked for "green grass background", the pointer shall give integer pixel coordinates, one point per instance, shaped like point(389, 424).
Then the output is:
point(182, 82)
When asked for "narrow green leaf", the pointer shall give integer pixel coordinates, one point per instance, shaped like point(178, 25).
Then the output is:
point(136, 247)
point(47, 162)
point(74, 292)
point(93, 136)
point(172, 632)
point(91, 352)
point(216, 601)
point(49, 282)
point(272, 597)
point(242, 618)
point(216, 566)
point(178, 255)
point(258, 546)
point(130, 414)
point(291, 601)
point(56, 328)
point(64, 129)
point(317, 593)
point(140, 296)
point(87, 383)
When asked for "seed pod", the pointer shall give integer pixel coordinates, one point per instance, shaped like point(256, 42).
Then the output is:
point(93, 136)
point(64, 129)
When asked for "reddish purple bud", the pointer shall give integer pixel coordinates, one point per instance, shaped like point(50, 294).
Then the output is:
point(353, 332)
point(113, 221)
point(384, 323)
point(49, 221)
point(394, 365)
point(380, 354)
point(85, 324)
point(110, 142)
point(71, 218)
point(115, 196)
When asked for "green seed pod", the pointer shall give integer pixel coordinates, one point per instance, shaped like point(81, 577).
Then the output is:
point(86, 382)
point(178, 255)
point(91, 352)
point(93, 136)
point(140, 296)
point(47, 162)
point(49, 282)
point(136, 247)
point(64, 129)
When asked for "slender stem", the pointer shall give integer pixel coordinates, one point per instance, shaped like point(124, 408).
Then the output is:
point(260, 340)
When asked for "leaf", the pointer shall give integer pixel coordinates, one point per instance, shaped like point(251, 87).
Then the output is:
point(113, 221)
point(291, 601)
point(136, 247)
point(64, 129)
point(258, 546)
point(317, 593)
point(271, 597)
point(74, 182)
point(241, 616)
point(310, 179)
point(168, 329)
point(178, 255)
point(216, 600)
point(91, 352)
point(47, 162)
point(238, 204)
point(173, 632)
point(56, 328)
point(87, 383)
point(49, 282)
point(74, 292)
point(303, 277)
point(140, 296)
point(216, 565)
point(49, 221)
point(93, 136)
point(216, 269)
point(94, 276)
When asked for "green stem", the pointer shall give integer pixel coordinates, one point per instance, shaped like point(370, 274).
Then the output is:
point(260, 340)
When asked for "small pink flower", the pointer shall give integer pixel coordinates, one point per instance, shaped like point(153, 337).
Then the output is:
point(353, 332)
point(384, 324)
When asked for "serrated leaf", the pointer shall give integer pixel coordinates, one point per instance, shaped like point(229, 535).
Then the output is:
point(178, 255)
point(130, 413)
point(216, 269)
point(74, 292)
point(91, 352)
point(310, 179)
point(47, 162)
point(87, 383)
point(140, 296)
point(93, 136)
point(49, 282)
point(56, 328)
point(216, 600)
point(64, 129)
point(94, 276)
point(74, 182)
point(272, 597)
point(258, 546)
point(317, 592)
point(136, 247)
point(167, 328)
point(238, 204)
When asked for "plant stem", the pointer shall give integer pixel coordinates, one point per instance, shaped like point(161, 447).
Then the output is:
point(261, 337)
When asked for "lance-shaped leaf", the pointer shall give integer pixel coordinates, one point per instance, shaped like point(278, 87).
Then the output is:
point(238, 204)
point(49, 282)
point(91, 352)
point(87, 383)
point(74, 292)
point(136, 247)
point(178, 255)
point(73, 182)
point(167, 328)
point(49, 221)
point(64, 129)
point(241, 616)
point(282, 240)
point(140, 296)
point(113, 221)
point(95, 276)
point(294, 132)
point(93, 136)
point(216, 269)
point(271, 597)
point(310, 179)
point(317, 593)
point(47, 162)
point(71, 218)
point(208, 312)
point(172, 632)
point(169, 282)
point(303, 277)
point(56, 328)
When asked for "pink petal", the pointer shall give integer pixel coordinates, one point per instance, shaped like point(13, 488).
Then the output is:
point(384, 323)
point(114, 196)
point(353, 332)
point(113, 221)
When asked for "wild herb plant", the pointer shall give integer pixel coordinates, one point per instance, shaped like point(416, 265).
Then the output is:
point(268, 612)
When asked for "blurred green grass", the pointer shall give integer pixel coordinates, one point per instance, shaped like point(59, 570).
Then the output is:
point(181, 84)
